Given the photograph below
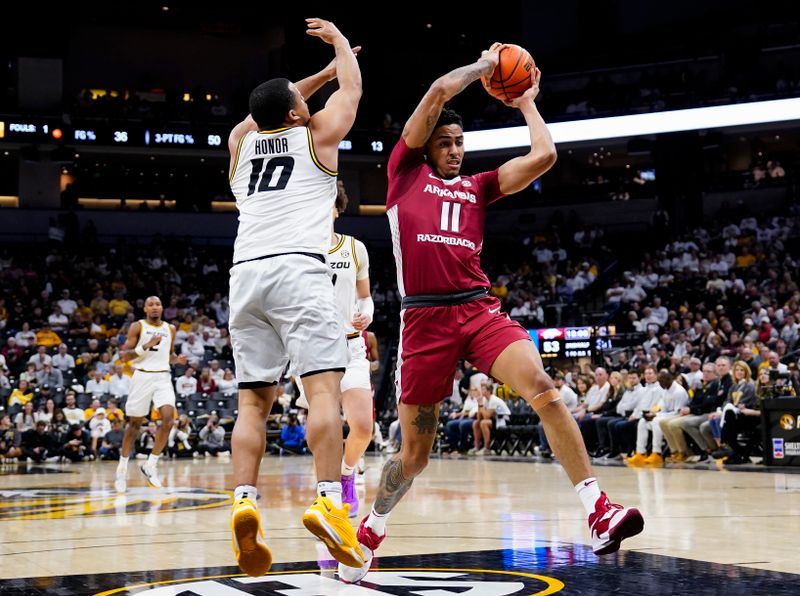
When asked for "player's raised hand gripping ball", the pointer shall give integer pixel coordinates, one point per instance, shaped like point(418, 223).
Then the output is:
point(512, 76)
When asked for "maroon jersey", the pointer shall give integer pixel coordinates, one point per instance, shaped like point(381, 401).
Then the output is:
point(437, 225)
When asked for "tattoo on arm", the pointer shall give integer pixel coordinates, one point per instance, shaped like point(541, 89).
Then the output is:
point(456, 81)
point(468, 74)
point(426, 421)
point(392, 487)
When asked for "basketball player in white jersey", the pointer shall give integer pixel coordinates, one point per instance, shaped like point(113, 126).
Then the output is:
point(150, 346)
point(349, 262)
point(283, 175)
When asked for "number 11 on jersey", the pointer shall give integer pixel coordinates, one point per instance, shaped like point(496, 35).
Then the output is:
point(449, 221)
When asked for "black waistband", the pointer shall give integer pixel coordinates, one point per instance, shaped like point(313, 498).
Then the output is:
point(353, 335)
point(424, 300)
point(152, 371)
point(320, 258)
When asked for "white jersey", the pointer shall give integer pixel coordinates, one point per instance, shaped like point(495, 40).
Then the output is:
point(283, 193)
point(349, 262)
point(156, 359)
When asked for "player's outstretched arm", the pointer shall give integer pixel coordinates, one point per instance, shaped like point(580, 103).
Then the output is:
point(520, 172)
point(332, 123)
point(310, 85)
point(420, 126)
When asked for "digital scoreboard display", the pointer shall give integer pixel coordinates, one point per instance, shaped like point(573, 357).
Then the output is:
point(572, 342)
point(138, 134)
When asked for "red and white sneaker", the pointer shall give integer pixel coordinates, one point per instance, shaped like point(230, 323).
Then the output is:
point(369, 541)
point(610, 524)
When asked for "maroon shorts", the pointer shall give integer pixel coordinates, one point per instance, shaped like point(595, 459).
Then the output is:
point(434, 338)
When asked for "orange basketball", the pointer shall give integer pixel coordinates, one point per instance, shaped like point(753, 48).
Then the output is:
point(512, 77)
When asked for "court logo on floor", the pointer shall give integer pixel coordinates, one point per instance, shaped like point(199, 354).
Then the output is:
point(394, 581)
point(62, 502)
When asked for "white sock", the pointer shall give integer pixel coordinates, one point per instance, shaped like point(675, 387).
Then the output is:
point(245, 491)
point(122, 466)
point(589, 491)
point(152, 460)
point(347, 470)
point(377, 522)
point(332, 490)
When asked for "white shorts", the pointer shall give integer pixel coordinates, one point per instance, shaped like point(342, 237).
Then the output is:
point(147, 388)
point(282, 309)
point(356, 375)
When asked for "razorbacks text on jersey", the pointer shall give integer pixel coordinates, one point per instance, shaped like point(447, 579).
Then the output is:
point(437, 225)
point(349, 262)
point(283, 193)
point(156, 359)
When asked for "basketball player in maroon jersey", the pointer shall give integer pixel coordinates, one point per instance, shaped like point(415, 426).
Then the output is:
point(436, 217)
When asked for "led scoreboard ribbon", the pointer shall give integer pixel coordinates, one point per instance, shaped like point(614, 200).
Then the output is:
point(133, 134)
point(571, 342)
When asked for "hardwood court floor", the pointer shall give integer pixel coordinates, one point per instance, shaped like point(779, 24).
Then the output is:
point(58, 520)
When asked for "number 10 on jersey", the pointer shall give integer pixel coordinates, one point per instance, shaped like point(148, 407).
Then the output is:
point(450, 217)
point(275, 176)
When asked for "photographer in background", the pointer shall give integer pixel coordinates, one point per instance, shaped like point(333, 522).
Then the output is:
point(212, 438)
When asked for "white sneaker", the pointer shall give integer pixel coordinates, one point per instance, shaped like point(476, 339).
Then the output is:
point(151, 474)
point(482, 451)
point(473, 451)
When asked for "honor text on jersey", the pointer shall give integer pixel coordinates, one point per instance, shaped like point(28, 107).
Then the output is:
point(268, 146)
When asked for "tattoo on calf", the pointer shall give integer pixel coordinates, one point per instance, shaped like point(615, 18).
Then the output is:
point(392, 487)
point(426, 421)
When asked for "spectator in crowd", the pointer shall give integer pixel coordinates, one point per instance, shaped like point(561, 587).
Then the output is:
point(50, 376)
point(227, 385)
point(62, 360)
point(104, 365)
point(45, 412)
point(673, 398)
point(144, 446)
point(58, 320)
point(623, 433)
point(25, 419)
point(36, 443)
point(179, 434)
point(215, 370)
point(25, 337)
point(97, 385)
point(67, 305)
point(40, 358)
point(12, 352)
point(113, 412)
point(741, 413)
point(112, 441)
point(99, 427)
point(492, 413)
point(72, 412)
point(76, 446)
point(99, 304)
point(9, 449)
point(21, 395)
point(293, 436)
point(119, 384)
point(459, 427)
point(193, 349)
point(186, 384)
point(206, 383)
point(212, 438)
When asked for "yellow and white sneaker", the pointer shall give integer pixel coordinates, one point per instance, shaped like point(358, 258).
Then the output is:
point(331, 525)
point(249, 546)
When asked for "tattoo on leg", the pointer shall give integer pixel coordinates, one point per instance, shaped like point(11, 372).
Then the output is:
point(426, 421)
point(392, 487)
